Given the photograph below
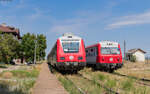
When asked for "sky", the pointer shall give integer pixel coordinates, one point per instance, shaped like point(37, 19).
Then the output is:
point(93, 20)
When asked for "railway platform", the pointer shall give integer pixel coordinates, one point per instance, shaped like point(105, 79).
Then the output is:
point(47, 83)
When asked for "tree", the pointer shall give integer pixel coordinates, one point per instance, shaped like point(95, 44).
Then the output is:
point(41, 46)
point(8, 47)
point(28, 47)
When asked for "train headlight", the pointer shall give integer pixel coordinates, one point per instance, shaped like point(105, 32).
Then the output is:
point(111, 59)
point(80, 58)
point(103, 59)
point(118, 59)
point(62, 58)
point(71, 57)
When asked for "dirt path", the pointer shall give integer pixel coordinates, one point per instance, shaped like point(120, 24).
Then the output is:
point(47, 83)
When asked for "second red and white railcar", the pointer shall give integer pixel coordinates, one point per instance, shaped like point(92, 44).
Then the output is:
point(68, 53)
point(105, 55)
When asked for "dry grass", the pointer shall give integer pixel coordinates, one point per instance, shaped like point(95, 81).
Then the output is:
point(38, 67)
point(138, 69)
point(19, 81)
point(7, 75)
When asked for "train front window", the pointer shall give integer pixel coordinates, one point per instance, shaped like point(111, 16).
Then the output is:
point(110, 50)
point(70, 47)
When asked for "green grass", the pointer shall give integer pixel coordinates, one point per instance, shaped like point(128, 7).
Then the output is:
point(68, 85)
point(101, 77)
point(24, 73)
point(111, 83)
point(128, 85)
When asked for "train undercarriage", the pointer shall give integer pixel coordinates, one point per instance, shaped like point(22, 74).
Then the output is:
point(68, 67)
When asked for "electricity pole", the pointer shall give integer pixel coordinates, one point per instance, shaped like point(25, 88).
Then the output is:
point(35, 41)
point(124, 50)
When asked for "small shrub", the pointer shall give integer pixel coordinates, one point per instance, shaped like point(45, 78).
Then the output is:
point(7, 75)
point(133, 58)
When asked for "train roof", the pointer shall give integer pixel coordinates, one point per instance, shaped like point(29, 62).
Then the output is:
point(69, 36)
point(105, 44)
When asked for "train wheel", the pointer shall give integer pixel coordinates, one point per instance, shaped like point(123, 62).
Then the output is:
point(51, 68)
point(75, 71)
point(111, 70)
point(96, 67)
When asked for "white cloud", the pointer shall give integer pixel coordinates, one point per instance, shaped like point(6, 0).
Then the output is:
point(143, 18)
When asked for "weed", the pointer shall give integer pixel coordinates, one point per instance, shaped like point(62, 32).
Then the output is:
point(127, 85)
point(101, 77)
point(111, 83)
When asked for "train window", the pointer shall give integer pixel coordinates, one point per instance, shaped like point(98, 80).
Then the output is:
point(91, 50)
point(110, 50)
point(70, 47)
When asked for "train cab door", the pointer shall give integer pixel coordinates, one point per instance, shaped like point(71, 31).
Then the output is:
point(92, 55)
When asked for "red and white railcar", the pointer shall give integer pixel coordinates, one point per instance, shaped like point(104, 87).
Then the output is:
point(68, 53)
point(104, 55)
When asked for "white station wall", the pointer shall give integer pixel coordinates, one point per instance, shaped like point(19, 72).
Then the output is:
point(140, 56)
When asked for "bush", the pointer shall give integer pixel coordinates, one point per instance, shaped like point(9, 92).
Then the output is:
point(133, 58)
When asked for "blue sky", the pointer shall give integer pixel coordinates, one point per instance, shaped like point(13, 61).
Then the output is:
point(93, 20)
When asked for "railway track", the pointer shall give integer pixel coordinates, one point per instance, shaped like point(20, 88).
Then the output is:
point(109, 90)
point(78, 88)
point(132, 77)
point(140, 81)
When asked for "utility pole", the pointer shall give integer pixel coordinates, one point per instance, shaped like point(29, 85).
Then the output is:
point(35, 41)
point(124, 50)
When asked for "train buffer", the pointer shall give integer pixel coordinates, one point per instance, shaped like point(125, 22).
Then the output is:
point(47, 83)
